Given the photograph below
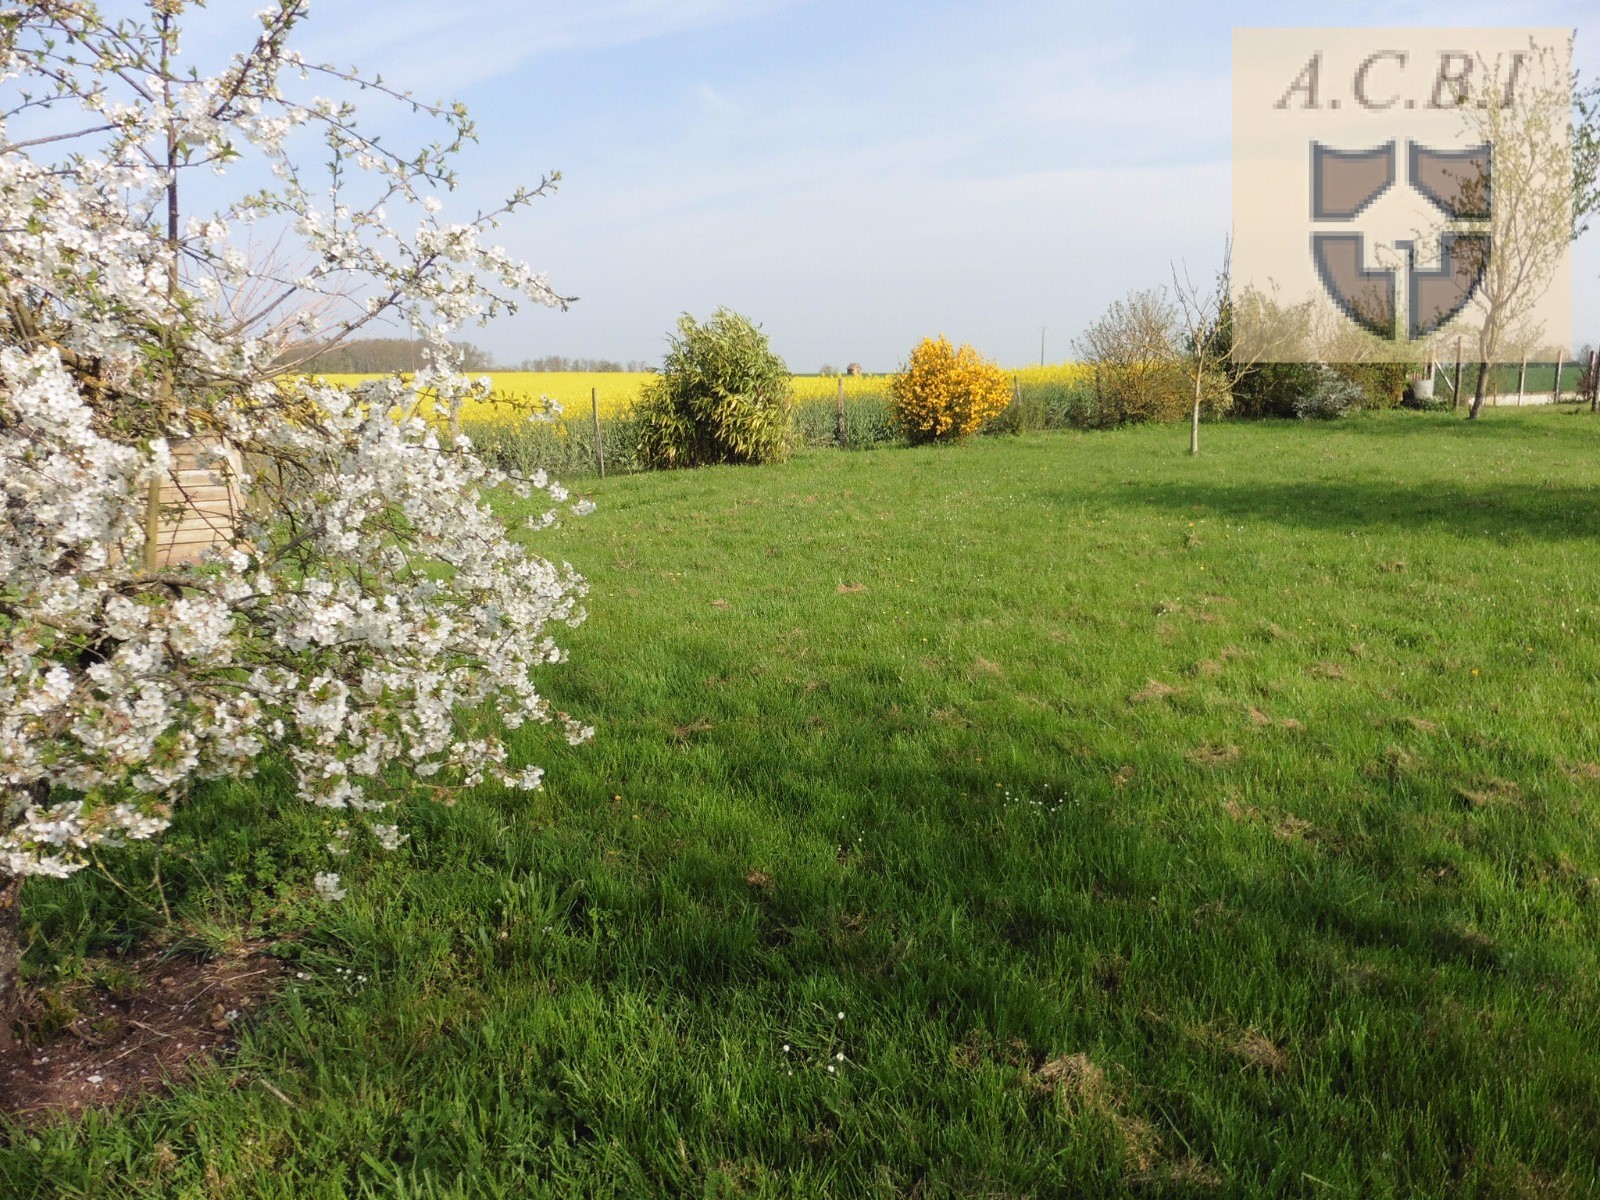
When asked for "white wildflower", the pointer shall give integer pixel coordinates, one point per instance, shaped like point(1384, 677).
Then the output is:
point(389, 836)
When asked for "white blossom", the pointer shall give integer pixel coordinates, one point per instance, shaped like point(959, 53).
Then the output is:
point(389, 836)
point(370, 621)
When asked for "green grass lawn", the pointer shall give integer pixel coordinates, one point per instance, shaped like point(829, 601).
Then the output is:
point(1159, 826)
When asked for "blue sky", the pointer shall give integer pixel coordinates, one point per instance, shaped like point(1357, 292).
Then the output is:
point(853, 175)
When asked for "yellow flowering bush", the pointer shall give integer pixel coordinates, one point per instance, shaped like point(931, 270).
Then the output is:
point(944, 393)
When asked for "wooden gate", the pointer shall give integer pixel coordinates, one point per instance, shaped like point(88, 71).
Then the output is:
point(201, 501)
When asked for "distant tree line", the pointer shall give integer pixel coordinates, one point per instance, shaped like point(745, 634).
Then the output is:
point(373, 356)
point(555, 362)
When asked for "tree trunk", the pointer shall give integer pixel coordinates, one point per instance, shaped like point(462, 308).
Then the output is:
point(10, 958)
point(1478, 390)
point(1194, 423)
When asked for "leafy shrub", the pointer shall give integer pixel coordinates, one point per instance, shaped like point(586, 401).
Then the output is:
point(563, 448)
point(1273, 389)
point(1382, 384)
point(1138, 370)
point(1027, 411)
point(868, 422)
point(722, 396)
point(944, 394)
point(1134, 392)
point(1331, 395)
point(1068, 404)
point(1310, 389)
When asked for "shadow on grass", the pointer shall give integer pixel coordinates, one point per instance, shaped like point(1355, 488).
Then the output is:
point(1557, 512)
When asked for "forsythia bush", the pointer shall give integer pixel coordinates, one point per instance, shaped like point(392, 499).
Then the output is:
point(722, 396)
point(945, 393)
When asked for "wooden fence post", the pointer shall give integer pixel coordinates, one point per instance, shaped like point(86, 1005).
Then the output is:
point(844, 436)
point(152, 525)
point(599, 452)
point(1555, 396)
point(1522, 381)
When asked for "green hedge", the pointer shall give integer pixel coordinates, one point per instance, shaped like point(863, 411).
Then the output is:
point(564, 448)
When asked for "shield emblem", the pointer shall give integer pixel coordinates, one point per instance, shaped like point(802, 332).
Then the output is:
point(1366, 297)
point(1345, 182)
point(1438, 295)
point(1456, 181)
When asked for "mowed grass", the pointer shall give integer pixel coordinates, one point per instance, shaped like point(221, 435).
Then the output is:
point(1159, 827)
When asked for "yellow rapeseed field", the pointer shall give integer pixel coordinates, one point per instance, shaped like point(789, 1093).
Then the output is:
point(570, 389)
point(618, 390)
point(825, 387)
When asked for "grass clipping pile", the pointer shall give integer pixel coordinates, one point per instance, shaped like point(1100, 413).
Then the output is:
point(101, 1046)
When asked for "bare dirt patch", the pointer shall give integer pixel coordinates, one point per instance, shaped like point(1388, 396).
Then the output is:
point(1492, 793)
point(1241, 812)
point(1076, 1078)
point(1257, 717)
point(1258, 1050)
point(166, 1014)
point(1082, 1087)
point(1212, 755)
point(1154, 689)
point(1291, 828)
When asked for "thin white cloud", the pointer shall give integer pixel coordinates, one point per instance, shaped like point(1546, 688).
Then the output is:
point(984, 170)
point(456, 45)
